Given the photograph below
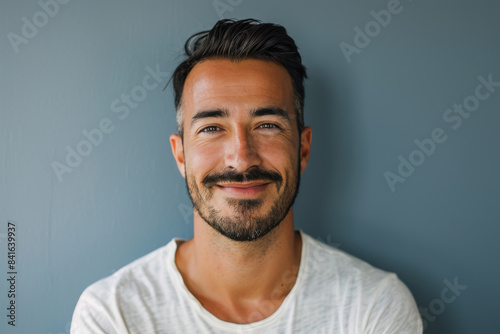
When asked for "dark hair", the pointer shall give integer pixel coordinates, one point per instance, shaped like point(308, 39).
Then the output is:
point(240, 40)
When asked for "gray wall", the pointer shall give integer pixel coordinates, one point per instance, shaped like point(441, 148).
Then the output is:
point(367, 102)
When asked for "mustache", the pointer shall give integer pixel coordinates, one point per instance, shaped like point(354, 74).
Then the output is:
point(252, 174)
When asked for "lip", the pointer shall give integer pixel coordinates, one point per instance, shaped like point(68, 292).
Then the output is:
point(243, 189)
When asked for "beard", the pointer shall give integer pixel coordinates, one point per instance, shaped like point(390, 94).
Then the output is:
point(246, 223)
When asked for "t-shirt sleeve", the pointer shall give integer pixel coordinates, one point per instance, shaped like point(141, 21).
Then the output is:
point(394, 310)
point(92, 316)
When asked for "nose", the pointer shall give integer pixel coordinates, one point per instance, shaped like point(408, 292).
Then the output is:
point(241, 151)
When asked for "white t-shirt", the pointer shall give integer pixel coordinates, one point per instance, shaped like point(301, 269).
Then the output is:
point(334, 293)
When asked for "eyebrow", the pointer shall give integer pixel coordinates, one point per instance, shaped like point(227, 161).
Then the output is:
point(209, 114)
point(219, 113)
point(270, 111)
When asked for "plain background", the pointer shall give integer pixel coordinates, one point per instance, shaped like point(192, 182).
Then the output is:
point(127, 198)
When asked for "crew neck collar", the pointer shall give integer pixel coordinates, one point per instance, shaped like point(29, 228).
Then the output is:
point(211, 319)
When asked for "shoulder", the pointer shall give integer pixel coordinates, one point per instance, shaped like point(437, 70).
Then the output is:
point(104, 304)
point(135, 275)
point(373, 297)
point(329, 261)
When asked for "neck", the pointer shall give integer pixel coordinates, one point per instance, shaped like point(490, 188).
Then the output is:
point(216, 268)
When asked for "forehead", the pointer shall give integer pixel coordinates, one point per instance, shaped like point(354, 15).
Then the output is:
point(231, 85)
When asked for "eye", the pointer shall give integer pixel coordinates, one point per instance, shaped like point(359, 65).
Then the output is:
point(269, 126)
point(210, 129)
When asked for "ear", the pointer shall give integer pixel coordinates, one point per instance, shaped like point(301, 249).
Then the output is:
point(305, 148)
point(178, 152)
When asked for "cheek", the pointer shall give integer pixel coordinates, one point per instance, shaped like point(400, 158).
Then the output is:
point(279, 156)
point(200, 160)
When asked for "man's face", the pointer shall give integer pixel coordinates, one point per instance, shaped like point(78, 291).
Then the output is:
point(241, 153)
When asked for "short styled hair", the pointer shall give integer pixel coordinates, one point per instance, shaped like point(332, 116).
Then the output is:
point(239, 40)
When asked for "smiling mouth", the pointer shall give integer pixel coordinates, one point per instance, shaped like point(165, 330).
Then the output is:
point(243, 188)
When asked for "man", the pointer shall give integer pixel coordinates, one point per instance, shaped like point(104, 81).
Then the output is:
point(241, 146)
